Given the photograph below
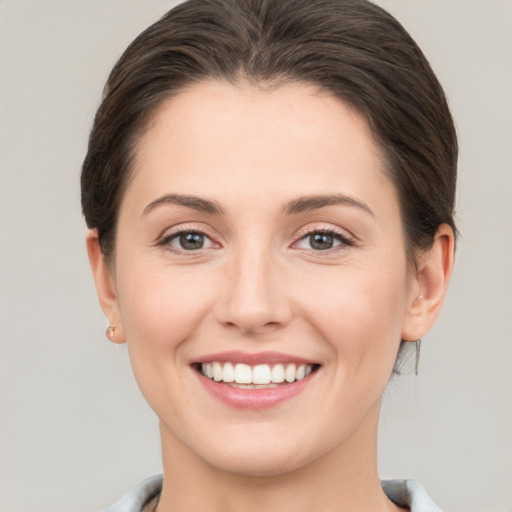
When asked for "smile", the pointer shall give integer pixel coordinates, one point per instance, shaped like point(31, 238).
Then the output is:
point(254, 381)
point(261, 376)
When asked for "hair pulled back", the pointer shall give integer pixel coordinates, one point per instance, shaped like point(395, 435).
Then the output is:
point(350, 48)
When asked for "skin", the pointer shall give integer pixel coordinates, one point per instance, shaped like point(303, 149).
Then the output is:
point(258, 284)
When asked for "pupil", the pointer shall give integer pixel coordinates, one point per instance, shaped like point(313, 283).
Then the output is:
point(321, 241)
point(190, 241)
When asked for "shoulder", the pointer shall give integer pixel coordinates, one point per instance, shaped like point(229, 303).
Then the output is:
point(139, 496)
point(409, 493)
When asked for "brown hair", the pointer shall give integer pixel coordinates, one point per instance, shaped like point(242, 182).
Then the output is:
point(351, 48)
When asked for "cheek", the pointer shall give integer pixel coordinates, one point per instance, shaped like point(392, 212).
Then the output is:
point(161, 309)
point(162, 306)
point(360, 312)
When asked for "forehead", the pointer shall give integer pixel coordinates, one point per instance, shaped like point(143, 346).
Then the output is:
point(221, 138)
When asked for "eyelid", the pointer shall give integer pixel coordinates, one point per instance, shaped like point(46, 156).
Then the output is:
point(180, 227)
point(168, 234)
point(169, 239)
point(345, 238)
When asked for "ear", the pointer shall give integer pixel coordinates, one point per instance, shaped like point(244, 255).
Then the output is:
point(105, 287)
point(429, 285)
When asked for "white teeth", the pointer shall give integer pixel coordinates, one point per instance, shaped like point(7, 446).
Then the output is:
point(255, 377)
point(300, 373)
point(289, 373)
point(243, 374)
point(277, 373)
point(253, 386)
point(217, 372)
point(228, 374)
point(261, 374)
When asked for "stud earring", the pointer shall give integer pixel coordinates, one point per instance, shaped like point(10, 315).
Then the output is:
point(111, 332)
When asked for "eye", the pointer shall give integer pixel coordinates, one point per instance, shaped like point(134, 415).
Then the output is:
point(187, 241)
point(323, 241)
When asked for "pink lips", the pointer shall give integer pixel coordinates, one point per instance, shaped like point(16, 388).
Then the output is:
point(252, 359)
point(253, 399)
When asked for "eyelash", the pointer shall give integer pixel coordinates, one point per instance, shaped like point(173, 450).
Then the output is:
point(166, 240)
point(342, 239)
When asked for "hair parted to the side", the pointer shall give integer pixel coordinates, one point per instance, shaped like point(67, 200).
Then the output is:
point(350, 48)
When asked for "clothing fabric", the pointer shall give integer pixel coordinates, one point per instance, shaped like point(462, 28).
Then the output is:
point(405, 493)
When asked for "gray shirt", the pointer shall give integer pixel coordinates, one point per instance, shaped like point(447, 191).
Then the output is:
point(405, 493)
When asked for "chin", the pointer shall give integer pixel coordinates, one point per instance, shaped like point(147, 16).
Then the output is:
point(262, 464)
point(261, 456)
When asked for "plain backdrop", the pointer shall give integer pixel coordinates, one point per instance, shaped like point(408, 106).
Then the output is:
point(75, 431)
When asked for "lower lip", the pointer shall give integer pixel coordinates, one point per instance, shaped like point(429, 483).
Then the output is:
point(254, 399)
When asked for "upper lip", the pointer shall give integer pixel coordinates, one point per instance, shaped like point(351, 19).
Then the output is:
point(252, 359)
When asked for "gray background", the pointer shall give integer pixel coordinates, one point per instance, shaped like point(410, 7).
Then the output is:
point(75, 431)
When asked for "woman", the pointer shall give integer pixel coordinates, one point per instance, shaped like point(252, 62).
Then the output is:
point(269, 188)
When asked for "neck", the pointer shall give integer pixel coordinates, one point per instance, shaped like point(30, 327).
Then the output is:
point(344, 479)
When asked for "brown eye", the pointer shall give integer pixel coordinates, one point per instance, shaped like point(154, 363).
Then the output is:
point(321, 241)
point(191, 241)
point(187, 241)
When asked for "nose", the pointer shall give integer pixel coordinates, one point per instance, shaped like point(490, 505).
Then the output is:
point(255, 301)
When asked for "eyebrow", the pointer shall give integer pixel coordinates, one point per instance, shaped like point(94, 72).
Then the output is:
point(296, 206)
point(193, 202)
point(308, 203)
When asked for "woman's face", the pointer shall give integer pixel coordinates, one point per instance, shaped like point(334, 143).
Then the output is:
point(260, 230)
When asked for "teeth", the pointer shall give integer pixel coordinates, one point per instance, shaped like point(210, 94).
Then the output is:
point(261, 374)
point(243, 374)
point(289, 373)
point(277, 374)
point(217, 372)
point(255, 377)
point(253, 386)
point(228, 373)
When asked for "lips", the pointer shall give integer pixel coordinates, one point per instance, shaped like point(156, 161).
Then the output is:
point(254, 381)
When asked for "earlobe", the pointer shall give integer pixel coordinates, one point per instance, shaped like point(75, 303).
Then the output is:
point(431, 281)
point(114, 334)
point(105, 287)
